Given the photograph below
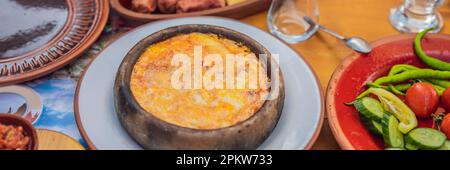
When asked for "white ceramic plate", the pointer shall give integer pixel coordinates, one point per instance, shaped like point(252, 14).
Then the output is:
point(297, 128)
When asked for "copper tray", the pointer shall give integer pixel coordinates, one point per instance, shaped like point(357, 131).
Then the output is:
point(41, 36)
point(239, 10)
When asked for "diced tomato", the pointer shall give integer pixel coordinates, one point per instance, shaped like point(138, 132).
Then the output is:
point(13, 138)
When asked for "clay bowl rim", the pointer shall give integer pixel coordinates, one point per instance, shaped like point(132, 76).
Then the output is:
point(333, 121)
point(27, 127)
point(134, 54)
point(119, 8)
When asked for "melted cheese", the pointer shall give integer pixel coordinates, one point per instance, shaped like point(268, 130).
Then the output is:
point(199, 108)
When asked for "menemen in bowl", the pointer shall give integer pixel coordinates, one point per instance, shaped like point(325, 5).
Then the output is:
point(152, 82)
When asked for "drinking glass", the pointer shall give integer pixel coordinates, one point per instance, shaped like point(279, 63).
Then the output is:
point(286, 19)
point(416, 15)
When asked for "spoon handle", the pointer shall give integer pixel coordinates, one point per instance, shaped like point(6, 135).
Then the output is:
point(331, 32)
point(311, 22)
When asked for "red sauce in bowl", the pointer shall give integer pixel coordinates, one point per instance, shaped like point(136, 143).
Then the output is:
point(13, 138)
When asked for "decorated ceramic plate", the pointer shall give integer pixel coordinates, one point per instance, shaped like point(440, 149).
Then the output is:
point(38, 37)
point(298, 127)
point(350, 77)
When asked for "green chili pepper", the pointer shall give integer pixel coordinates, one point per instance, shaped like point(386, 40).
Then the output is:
point(438, 88)
point(398, 89)
point(414, 74)
point(430, 61)
point(395, 90)
point(376, 86)
point(399, 68)
point(442, 83)
point(363, 94)
point(403, 87)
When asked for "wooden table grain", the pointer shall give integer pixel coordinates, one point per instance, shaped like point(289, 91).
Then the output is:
point(365, 18)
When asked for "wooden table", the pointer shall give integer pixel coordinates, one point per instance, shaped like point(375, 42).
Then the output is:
point(364, 18)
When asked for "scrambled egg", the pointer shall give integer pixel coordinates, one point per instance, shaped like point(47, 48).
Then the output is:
point(193, 108)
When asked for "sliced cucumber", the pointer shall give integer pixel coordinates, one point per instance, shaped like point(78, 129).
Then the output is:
point(392, 136)
point(426, 138)
point(394, 149)
point(411, 147)
point(370, 108)
point(397, 107)
point(445, 146)
point(373, 126)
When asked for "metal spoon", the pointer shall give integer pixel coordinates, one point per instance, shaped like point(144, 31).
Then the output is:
point(356, 43)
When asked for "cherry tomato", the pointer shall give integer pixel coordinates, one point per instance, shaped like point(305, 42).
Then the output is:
point(423, 99)
point(446, 99)
point(445, 125)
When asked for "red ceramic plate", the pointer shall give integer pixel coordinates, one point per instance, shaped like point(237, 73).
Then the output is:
point(350, 76)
